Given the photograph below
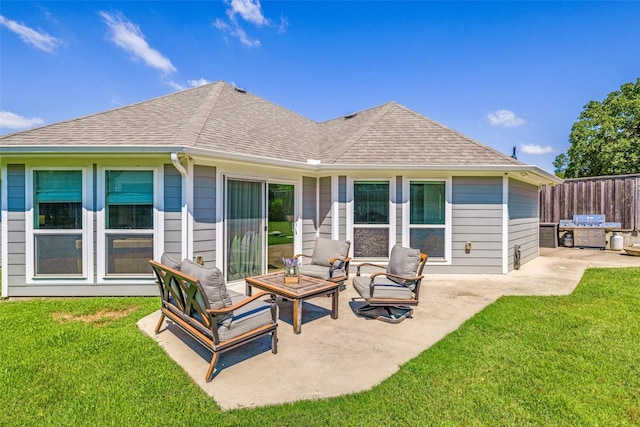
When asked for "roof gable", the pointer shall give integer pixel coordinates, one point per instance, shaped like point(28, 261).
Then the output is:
point(393, 134)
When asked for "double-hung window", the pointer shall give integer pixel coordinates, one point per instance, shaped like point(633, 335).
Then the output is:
point(129, 221)
point(427, 218)
point(58, 223)
point(371, 219)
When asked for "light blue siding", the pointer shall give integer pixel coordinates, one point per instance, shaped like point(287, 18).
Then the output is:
point(342, 207)
point(524, 227)
point(204, 213)
point(476, 218)
point(172, 211)
point(15, 223)
point(309, 219)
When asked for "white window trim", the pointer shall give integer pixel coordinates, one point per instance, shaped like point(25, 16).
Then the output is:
point(392, 216)
point(448, 226)
point(158, 224)
point(87, 230)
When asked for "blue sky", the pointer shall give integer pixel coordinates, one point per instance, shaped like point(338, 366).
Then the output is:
point(508, 74)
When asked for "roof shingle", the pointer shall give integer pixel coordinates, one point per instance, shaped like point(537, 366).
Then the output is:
point(218, 118)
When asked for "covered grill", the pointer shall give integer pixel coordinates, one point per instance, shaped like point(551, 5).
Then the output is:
point(588, 231)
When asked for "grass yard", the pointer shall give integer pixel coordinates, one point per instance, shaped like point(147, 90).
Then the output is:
point(569, 360)
point(283, 232)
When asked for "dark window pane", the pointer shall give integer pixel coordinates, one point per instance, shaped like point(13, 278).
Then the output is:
point(130, 217)
point(58, 254)
point(57, 200)
point(427, 203)
point(129, 254)
point(429, 240)
point(59, 216)
point(371, 242)
point(371, 202)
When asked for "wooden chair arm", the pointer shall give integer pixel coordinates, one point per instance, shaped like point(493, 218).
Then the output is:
point(396, 276)
point(370, 264)
point(237, 305)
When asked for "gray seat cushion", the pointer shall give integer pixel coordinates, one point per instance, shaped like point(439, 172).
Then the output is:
point(320, 271)
point(326, 249)
point(247, 318)
point(384, 288)
point(170, 261)
point(403, 262)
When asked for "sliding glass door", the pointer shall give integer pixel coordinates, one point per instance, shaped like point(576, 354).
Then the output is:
point(245, 213)
point(281, 224)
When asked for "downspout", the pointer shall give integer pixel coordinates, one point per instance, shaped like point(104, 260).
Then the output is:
point(175, 159)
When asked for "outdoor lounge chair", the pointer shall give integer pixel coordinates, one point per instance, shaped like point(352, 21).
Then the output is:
point(196, 299)
point(389, 295)
point(330, 261)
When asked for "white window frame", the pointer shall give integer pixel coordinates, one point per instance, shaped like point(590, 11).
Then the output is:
point(406, 217)
point(86, 232)
point(157, 232)
point(390, 226)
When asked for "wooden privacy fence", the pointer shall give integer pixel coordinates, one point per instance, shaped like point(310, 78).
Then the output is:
point(617, 197)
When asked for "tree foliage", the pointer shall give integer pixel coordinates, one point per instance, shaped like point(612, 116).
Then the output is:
point(606, 138)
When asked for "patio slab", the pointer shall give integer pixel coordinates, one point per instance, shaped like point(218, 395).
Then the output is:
point(352, 353)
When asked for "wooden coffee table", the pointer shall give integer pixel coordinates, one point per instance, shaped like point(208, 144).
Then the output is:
point(307, 287)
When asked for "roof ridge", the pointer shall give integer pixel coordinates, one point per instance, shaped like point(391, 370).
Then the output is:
point(104, 112)
point(361, 130)
point(198, 120)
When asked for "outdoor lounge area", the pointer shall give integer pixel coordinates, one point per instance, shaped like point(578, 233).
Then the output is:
point(326, 359)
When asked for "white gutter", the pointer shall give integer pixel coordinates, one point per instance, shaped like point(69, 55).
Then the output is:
point(175, 159)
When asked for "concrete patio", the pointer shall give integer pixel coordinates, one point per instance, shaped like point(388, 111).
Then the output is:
point(353, 353)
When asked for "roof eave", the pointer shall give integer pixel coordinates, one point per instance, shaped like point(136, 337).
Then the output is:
point(524, 172)
point(530, 172)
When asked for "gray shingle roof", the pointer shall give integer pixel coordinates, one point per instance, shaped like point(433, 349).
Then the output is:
point(217, 118)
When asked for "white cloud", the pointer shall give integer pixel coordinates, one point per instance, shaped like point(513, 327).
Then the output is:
point(221, 25)
point(249, 10)
point(284, 23)
point(9, 120)
point(241, 34)
point(199, 82)
point(505, 118)
point(535, 149)
point(129, 37)
point(42, 41)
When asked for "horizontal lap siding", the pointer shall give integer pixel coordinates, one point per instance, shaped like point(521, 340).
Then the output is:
point(204, 213)
point(308, 214)
point(524, 228)
point(476, 218)
point(342, 207)
point(325, 207)
point(15, 223)
point(399, 201)
point(172, 211)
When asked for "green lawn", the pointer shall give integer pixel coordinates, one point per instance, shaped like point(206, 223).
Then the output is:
point(571, 360)
point(283, 232)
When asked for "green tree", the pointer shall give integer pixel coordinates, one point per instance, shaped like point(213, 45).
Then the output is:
point(606, 138)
